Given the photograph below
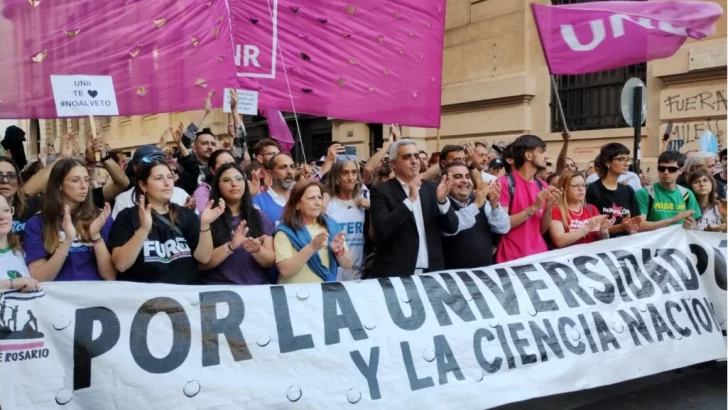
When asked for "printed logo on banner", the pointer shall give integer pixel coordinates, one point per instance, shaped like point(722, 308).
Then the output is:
point(259, 60)
point(20, 337)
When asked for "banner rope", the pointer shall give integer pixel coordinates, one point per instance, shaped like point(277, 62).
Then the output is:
point(288, 84)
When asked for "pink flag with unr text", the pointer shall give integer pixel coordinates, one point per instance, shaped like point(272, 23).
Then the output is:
point(279, 129)
point(376, 61)
point(162, 55)
point(591, 37)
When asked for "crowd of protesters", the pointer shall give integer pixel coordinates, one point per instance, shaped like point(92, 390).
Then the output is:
point(209, 215)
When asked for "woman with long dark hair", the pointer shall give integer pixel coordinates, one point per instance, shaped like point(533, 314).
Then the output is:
point(67, 240)
point(157, 241)
point(309, 247)
point(241, 236)
point(705, 188)
point(203, 192)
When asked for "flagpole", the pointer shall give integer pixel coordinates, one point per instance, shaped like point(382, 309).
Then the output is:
point(558, 102)
point(437, 141)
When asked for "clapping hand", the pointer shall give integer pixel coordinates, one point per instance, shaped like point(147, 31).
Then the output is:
point(481, 193)
point(211, 213)
point(67, 224)
point(495, 193)
point(337, 244)
point(414, 188)
point(444, 188)
point(98, 224)
point(190, 203)
point(606, 224)
point(253, 245)
point(145, 214)
point(319, 241)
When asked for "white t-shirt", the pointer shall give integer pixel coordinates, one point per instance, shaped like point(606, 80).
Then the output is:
point(711, 216)
point(350, 219)
point(13, 265)
point(124, 200)
point(632, 179)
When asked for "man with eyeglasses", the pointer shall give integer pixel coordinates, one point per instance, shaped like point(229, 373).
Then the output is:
point(145, 154)
point(665, 203)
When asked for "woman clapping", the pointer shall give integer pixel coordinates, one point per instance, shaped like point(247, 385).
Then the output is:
point(157, 241)
point(309, 247)
point(241, 236)
point(67, 241)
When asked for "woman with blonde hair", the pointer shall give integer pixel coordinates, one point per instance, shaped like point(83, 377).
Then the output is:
point(573, 221)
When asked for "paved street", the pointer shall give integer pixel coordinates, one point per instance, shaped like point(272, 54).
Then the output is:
point(692, 388)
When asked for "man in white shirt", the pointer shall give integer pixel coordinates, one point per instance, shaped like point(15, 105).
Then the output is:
point(409, 216)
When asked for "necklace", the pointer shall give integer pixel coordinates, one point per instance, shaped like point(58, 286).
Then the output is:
point(579, 212)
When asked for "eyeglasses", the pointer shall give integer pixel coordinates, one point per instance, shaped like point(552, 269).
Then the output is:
point(10, 176)
point(672, 170)
point(703, 181)
point(621, 160)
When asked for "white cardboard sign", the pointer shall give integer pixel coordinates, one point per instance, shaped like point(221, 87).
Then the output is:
point(247, 102)
point(82, 95)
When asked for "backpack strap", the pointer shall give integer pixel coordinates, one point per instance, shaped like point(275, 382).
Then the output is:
point(685, 195)
point(511, 190)
point(651, 200)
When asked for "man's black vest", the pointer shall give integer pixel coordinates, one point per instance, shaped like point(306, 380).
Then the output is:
point(471, 248)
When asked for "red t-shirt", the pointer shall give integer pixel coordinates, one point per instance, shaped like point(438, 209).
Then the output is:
point(577, 221)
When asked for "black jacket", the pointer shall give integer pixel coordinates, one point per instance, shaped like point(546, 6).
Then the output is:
point(396, 231)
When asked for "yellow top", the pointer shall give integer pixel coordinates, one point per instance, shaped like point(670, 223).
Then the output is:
point(284, 250)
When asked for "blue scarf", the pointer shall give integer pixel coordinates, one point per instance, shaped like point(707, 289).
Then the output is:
point(301, 237)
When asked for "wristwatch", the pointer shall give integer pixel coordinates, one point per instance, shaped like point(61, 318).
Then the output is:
point(529, 213)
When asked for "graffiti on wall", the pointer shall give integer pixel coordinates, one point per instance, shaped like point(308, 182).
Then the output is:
point(685, 136)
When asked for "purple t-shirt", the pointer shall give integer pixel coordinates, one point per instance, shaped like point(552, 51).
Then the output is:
point(240, 268)
point(80, 264)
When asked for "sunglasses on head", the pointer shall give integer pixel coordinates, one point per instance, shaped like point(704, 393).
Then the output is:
point(151, 158)
point(672, 170)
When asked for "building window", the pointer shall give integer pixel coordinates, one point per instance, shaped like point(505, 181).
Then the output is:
point(592, 101)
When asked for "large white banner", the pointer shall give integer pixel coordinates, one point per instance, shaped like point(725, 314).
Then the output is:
point(567, 320)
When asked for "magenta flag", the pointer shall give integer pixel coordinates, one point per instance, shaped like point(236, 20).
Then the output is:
point(374, 61)
point(279, 130)
point(163, 55)
point(367, 60)
point(590, 37)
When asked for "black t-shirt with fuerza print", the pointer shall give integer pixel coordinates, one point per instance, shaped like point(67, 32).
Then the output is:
point(620, 203)
point(167, 256)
